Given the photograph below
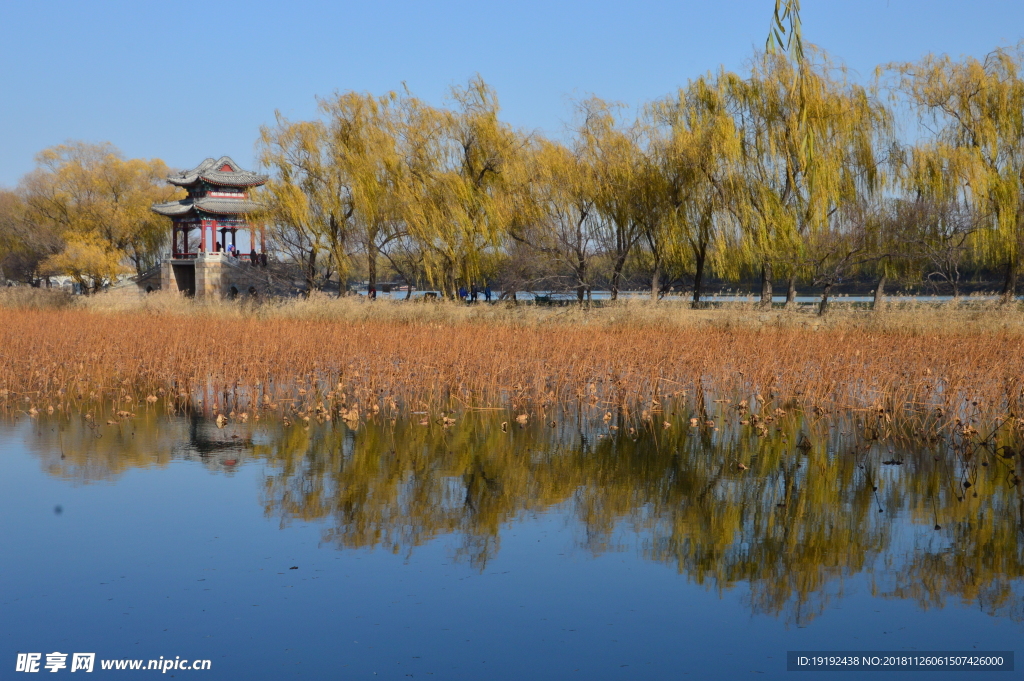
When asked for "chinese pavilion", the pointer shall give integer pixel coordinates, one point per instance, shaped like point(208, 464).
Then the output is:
point(217, 204)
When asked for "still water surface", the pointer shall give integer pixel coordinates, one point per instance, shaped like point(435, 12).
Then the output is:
point(469, 552)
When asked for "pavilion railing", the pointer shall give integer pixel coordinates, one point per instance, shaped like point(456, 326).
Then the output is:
point(223, 255)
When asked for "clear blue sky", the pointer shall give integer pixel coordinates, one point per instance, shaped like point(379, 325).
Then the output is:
point(183, 81)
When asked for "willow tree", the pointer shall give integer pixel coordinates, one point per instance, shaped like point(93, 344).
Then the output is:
point(939, 219)
point(566, 232)
point(98, 202)
point(363, 143)
point(698, 151)
point(24, 245)
point(786, 32)
point(651, 212)
point(464, 184)
point(785, 36)
point(307, 199)
point(812, 141)
point(613, 150)
point(976, 108)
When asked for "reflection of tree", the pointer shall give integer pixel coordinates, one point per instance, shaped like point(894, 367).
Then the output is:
point(799, 523)
point(85, 449)
point(792, 513)
point(978, 554)
point(802, 518)
point(397, 486)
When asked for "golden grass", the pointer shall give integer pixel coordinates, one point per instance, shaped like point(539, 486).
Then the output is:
point(970, 314)
point(921, 365)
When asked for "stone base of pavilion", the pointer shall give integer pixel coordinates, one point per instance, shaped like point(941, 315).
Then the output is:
point(211, 275)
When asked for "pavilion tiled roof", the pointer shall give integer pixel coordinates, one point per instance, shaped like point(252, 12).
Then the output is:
point(210, 171)
point(216, 205)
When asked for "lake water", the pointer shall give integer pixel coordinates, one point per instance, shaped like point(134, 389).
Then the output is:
point(578, 550)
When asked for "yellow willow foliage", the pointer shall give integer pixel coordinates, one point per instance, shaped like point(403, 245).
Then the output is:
point(940, 172)
point(698, 151)
point(651, 213)
point(779, 38)
point(466, 184)
point(20, 240)
point(450, 183)
point(334, 180)
point(363, 138)
point(976, 108)
point(622, 172)
point(564, 186)
point(96, 199)
point(307, 197)
point(87, 259)
point(807, 150)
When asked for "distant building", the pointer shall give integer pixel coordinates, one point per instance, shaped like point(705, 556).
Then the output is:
point(217, 204)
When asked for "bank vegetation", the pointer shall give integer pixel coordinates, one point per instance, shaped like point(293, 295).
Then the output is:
point(923, 369)
point(791, 172)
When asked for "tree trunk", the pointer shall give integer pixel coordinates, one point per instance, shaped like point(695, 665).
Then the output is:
point(791, 292)
point(698, 278)
point(581, 277)
point(656, 284)
point(766, 285)
point(451, 287)
point(616, 278)
point(823, 306)
point(371, 264)
point(311, 274)
point(1010, 284)
point(879, 302)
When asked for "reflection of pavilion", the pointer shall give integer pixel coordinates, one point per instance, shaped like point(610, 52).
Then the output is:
point(218, 200)
point(208, 442)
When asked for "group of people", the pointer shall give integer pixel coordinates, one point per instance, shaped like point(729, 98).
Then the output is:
point(255, 259)
point(474, 293)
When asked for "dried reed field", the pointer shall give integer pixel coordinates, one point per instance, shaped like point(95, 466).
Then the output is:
point(925, 369)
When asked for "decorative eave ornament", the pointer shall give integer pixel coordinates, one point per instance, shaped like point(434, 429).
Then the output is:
point(222, 171)
point(225, 191)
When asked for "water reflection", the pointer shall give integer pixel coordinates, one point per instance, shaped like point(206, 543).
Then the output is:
point(791, 514)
